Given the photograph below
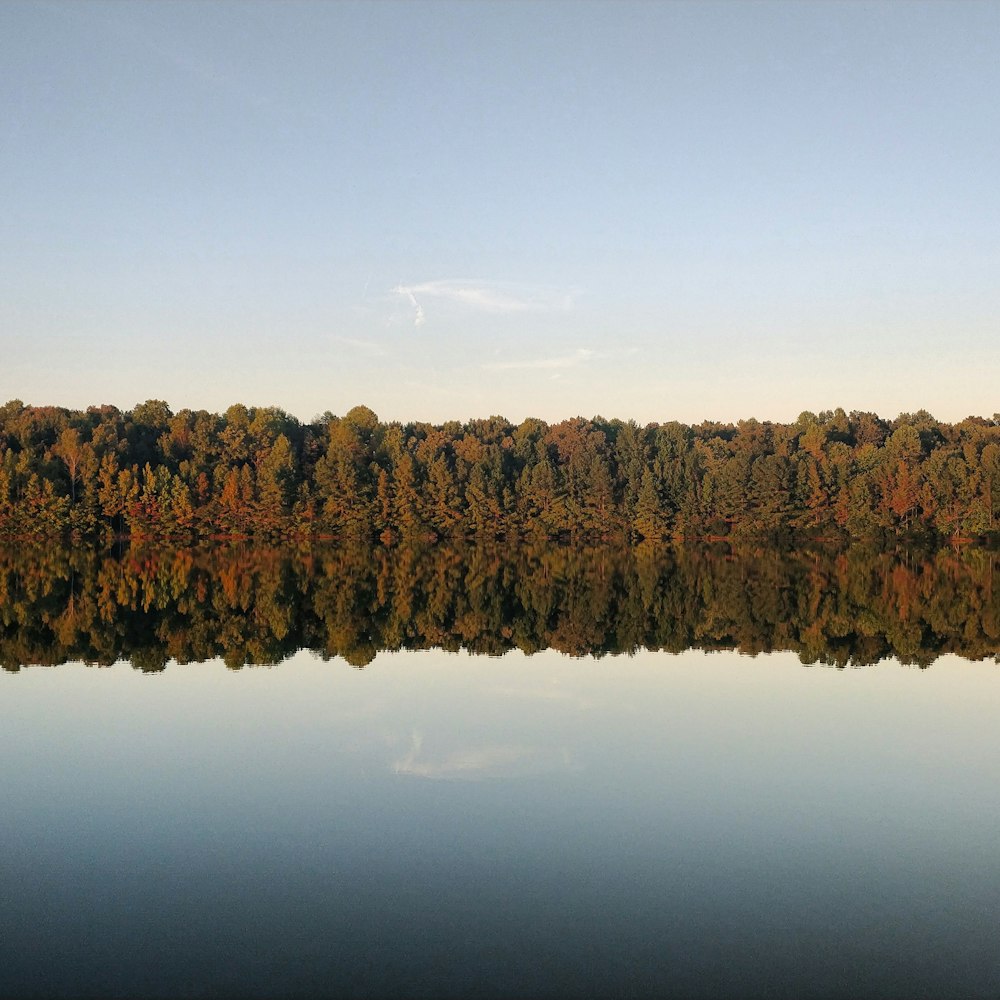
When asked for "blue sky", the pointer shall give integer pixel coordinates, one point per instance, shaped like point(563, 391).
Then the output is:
point(650, 211)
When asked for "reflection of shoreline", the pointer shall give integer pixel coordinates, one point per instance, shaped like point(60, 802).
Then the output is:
point(477, 763)
point(247, 605)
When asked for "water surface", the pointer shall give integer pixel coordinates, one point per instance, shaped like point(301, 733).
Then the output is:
point(441, 824)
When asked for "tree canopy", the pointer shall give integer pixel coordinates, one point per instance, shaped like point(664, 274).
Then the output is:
point(152, 473)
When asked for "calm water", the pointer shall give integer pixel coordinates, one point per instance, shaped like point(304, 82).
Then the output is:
point(441, 824)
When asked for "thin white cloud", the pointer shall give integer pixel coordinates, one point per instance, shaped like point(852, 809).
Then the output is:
point(578, 357)
point(418, 310)
point(494, 297)
point(368, 347)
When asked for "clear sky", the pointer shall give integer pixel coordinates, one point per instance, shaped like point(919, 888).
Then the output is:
point(447, 210)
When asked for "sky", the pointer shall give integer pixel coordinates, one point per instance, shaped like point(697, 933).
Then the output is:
point(651, 211)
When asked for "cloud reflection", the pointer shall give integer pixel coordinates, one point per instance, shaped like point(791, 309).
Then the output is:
point(478, 763)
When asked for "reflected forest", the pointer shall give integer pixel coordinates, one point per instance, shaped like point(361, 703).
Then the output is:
point(257, 605)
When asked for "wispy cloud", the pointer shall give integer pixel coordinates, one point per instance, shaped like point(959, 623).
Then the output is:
point(418, 310)
point(578, 357)
point(368, 347)
point(489, 296)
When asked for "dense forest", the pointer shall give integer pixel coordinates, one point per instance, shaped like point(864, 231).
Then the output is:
point(258, 605)
point(151, 473)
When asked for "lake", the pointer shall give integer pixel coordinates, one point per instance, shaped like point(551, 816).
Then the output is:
point(695, 822)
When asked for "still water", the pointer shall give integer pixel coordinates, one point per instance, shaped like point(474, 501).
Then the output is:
point(443, 825)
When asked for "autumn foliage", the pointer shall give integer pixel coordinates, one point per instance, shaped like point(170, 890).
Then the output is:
point(149, 473)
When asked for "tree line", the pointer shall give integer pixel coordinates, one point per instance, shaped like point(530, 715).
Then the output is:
point(259, 605)
point(257, 471)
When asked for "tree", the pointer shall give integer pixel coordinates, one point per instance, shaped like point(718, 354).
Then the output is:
point(70, 449)
point(648, 521)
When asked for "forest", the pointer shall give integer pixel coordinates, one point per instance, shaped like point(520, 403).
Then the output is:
point(150, 473)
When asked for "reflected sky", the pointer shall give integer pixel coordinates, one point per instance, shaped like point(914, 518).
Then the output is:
point(443, 824)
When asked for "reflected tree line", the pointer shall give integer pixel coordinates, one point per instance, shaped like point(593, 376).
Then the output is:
point(149, 473)
point(258, 605)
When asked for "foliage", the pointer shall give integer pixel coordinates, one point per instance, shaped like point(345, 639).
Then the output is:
point(149, 473)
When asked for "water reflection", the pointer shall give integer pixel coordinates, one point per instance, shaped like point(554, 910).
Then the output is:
point(450, 826)
point(257, 606)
